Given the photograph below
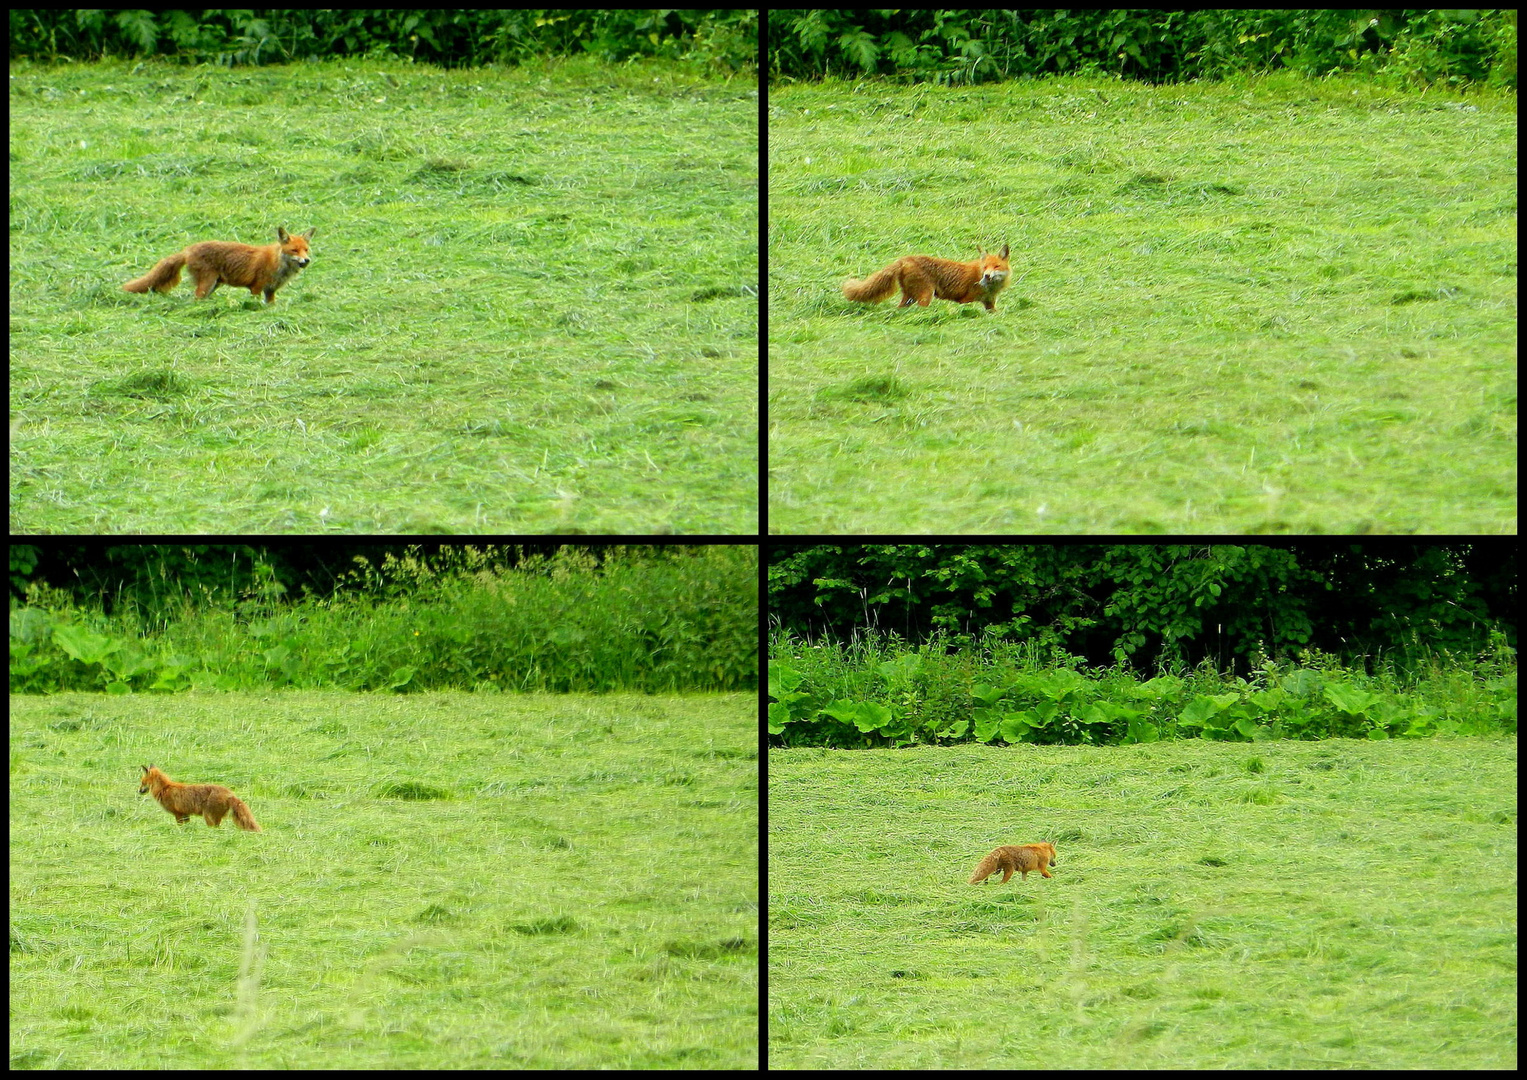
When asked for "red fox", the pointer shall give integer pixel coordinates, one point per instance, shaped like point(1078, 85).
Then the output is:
point(1011, 857)
point(217, 262)
point(211, 801)
point(922, 277)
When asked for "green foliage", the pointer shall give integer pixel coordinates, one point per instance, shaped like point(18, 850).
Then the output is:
point(24, 558)
point(1160, 605)
point(877, 692)
point(638, 619)
point(161, 582)
point(719, 40)
point(943, 46)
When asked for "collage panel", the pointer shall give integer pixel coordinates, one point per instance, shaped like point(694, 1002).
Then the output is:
point(1093, 272)
point(1174, 805)
point(367, 805)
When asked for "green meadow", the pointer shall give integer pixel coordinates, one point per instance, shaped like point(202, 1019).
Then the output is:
point(1284, 905)
point(532, 305)
point(443, 881)
point(1260, 306)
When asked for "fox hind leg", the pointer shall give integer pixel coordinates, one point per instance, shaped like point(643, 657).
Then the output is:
point(916, 287)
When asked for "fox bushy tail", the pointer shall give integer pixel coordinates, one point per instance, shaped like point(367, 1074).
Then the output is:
point(874, 288)
point(164, 276)
point(986, 869)
point(241, 815)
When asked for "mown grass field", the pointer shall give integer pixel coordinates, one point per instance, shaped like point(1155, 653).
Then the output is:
point(1257, 307)
point(1309, 905)
point(532, 305)
point(442, 881)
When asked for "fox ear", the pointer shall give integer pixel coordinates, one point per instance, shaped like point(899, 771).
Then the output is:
point(146, 768)
point(1004, 252)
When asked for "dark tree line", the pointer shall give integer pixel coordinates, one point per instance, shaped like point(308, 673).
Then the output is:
point(1160, 603)
point(153, 577)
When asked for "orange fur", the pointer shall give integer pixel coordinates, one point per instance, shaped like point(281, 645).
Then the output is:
point(1011, 857)
point(211, 801)
point(217, 262)
point(922, 277)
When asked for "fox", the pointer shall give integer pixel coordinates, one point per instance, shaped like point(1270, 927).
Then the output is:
point(211, 801)
point(218, 262)
point(922, 277)
point(1011, 857)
